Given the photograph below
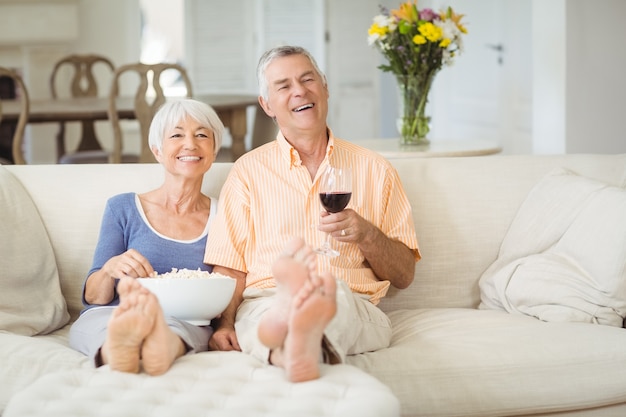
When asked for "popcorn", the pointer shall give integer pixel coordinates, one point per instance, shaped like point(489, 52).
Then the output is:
point(185, 273)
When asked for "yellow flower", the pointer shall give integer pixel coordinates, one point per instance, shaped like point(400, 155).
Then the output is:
point(416, 42)
point(378, 30)
point(419, 40)
point(407, 11)
point(430, 32)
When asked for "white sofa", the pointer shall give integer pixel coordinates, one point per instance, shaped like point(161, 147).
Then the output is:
point(448, 356)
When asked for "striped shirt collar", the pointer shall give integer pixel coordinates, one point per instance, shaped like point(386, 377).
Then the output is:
point(291, 155)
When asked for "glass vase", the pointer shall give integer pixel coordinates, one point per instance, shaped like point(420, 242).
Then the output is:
point(414, 125)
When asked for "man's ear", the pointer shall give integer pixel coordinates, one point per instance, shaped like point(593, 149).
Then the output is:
point(266, 108)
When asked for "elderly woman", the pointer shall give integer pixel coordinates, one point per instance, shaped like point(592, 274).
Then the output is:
point(122, 324)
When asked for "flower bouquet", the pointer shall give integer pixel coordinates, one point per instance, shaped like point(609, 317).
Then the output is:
point(416, 43)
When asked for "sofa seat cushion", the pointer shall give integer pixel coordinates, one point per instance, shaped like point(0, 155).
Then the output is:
point(25, 359)
point(468, 362)
point(564, 255)
point(208, 383)
point(30, 301)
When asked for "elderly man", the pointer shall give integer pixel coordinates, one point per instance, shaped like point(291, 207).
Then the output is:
point(284, 311)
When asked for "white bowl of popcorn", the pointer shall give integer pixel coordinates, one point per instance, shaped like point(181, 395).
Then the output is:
point(193, 296)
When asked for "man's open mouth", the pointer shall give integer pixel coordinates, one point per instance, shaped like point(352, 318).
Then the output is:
point(306, 106)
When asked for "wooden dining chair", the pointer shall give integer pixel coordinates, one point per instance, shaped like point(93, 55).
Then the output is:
point(83, 83)
point(264, 130)
point(149, 96)
point(18, 135)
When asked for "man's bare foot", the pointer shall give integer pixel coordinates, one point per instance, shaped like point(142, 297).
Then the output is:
point(303, 345)
point(129, 325)
point(292, 272)
point(162, 346)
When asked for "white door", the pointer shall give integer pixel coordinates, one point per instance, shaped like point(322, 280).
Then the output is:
point(354, 107)
point(219, 45)
point(487, 93)
point(292, 22)
point(224, 39)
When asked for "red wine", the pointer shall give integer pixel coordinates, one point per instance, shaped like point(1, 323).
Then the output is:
point(336, 201)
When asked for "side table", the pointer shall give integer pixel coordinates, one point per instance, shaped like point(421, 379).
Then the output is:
point(390, 148)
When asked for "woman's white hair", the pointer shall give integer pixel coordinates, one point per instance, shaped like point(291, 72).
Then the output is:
point(172, 112)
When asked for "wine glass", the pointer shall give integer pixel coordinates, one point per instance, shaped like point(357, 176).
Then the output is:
point(335, 192)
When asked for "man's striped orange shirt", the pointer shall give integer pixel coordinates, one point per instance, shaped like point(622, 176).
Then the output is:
point(269, 197)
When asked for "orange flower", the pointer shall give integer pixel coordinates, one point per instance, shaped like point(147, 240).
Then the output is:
point(407, 11)
point(456, 18)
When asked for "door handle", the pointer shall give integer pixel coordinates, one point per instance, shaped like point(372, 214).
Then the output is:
point(499, 48)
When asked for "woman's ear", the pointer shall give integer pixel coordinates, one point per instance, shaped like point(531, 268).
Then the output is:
point(156, 153)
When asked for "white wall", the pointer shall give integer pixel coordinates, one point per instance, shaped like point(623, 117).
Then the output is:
point(549, 76)
point(111, 28)
point(579, 86)
point(595, 80)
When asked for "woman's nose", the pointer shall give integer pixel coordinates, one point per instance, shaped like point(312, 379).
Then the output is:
point(189, 142)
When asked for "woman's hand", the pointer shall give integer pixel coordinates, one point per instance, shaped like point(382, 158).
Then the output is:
point(130, 263)
point(100, 286)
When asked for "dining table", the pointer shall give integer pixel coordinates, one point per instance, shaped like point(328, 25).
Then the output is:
point(231, 108)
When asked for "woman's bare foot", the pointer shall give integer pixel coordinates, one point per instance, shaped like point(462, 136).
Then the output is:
point(303, 345)
point(292, 272)
point(161, 347)
point(129, 325)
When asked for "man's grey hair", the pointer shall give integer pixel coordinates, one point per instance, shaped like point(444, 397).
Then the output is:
point(279, 52)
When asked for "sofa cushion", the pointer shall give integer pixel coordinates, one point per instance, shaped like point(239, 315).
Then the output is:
point(446, 362)
point(31, 302)
point(564, 255)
